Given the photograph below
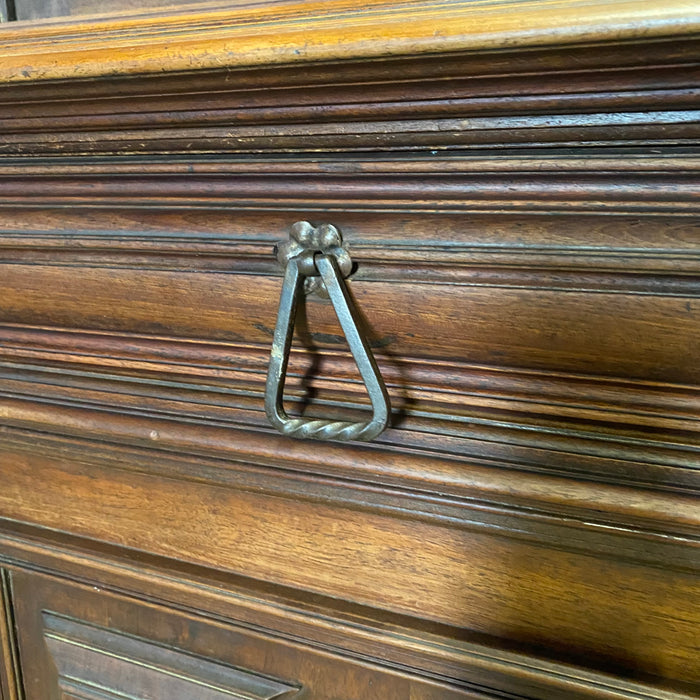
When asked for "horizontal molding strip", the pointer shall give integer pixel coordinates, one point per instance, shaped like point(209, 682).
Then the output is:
point(648, 127)
point(602, 162)
point(508, 434)
point(294, 32)
point(632, 529)
point(642, 193)
point(228, 237)
point(582, 109)
point(503, 326)
point(633, 434)
point(633, 76)
point(308, 141)
point(484, 270)
point(618, 400)
point(653, 256)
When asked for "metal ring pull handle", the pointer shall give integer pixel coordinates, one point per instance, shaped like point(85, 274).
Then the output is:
point(310, 255)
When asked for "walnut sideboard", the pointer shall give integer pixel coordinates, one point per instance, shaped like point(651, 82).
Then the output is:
point(516, 187)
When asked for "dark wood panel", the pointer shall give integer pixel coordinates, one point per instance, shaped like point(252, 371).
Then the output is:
point(87, 658)
point(640, 193)
point(561, 251)
point(651, 527)
point(616, 431)
point(408, 644)
point(631, 130)
point(575, 98)
point(522, 208)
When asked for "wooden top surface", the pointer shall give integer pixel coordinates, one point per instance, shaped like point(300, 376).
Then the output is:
point(264, 33)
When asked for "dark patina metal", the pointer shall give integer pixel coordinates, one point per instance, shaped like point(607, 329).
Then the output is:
point(315, 259)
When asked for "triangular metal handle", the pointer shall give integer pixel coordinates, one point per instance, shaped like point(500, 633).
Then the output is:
point(279, 357)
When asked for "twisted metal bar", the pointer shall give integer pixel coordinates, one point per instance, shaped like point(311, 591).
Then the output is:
point(279, 357)
point(326, 430)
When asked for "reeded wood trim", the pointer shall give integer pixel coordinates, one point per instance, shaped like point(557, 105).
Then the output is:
point(641, 527)
point(293, 32)
point(526, 420)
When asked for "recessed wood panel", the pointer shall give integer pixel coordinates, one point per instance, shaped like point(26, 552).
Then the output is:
point(82, 642)
point(88, 658)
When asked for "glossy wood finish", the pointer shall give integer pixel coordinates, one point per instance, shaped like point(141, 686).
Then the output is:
point(293, 32)
point(525, 227)
point(409, 562)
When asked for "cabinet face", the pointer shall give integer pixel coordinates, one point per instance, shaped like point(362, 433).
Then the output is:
point(81, 643)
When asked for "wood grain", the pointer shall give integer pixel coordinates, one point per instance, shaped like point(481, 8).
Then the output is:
point(93, 637)
point(322, 31)
point(207, 303)
point(405, 644)
point(517, 185)
point(478, 581)
point(86, 657)
point(10, 674)
point(572, 97)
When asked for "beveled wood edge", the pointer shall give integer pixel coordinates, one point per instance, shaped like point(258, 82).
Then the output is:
point(296, 32)
point(9, 665)
point(146, 660)
point(636, 162)
point(427, 653)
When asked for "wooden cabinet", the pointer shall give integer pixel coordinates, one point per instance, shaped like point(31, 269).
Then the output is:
point(520, 206)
